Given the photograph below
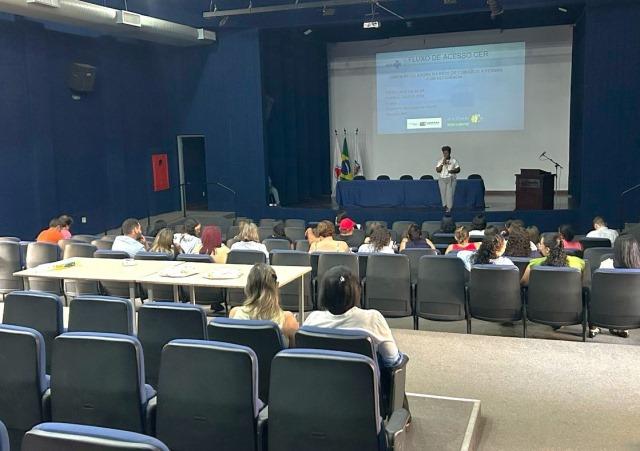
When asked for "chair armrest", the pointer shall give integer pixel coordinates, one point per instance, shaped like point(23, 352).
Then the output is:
point(46, 405)
point(150, 416)
point(395, 429)
point(363, 292)
point(262, 429)
point(398, 379)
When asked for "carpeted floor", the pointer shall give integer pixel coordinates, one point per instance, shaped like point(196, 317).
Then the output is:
point(535, 394)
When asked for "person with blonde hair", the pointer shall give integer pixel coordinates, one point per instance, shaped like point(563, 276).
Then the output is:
point(249, 240)
point(263, 301)
point(325, 242)
point(163, 243)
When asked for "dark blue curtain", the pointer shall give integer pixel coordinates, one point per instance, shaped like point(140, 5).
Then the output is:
point(296, 114)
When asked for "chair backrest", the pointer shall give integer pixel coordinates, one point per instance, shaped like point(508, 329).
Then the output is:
point(290, 293)
point(104, 253)
point(38, 254)
point(414, 256)
point(554, 296)
point(103, 245)
point(22, 379)
point(192, 414)
point(155, 256)
point(388, 285)
point(267, 222)
point(64, 243)
point(98, 380)
point(101, 314)
point(161, 322)
point(232, 231)
point(359, 177)
point(294, 233)
point(521, 263)
point(474, 176)
point(38, 310)
point(79, 249)
point(76, 288)
point(369, 224)
point(443, 238)
point(331, 339)
point(430, 227)
point(246, 257)
point(302, 245)
point(440, 293)
point(78, 437)
point(275, 243)
point(85, 238)
point(383, 177)
point(264, 337)
point(10, 262)
point(328, 260)
point(494, 293)
point(400, 228)
point(109, 237)
point(406, 177)
point(426, 177)
point(300, 223)
point(614, 301)
point(265, 232)
point(594, 256)
point(588, 243)
point(4, 438)
point(11, 239)
point(195, 258)
point(344, 391)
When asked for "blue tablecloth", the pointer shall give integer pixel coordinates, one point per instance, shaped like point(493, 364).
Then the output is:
point(407, 193)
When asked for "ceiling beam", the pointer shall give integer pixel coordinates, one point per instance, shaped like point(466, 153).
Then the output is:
point(298, 5)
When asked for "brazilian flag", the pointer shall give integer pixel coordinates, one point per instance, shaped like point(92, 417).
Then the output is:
point(345, 169)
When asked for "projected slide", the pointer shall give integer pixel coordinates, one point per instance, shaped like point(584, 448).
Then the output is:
point(454, 89)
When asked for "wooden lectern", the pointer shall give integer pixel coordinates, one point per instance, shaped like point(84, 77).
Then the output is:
point(534, 190)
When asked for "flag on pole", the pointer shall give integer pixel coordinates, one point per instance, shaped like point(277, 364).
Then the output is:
point(345, 168)
point(357, 157)
point(337, 159)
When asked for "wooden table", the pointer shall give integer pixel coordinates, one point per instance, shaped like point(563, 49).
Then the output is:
point(148, 272)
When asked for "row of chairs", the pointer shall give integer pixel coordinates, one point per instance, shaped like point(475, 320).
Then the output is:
point(410, 177)
point(208, 391)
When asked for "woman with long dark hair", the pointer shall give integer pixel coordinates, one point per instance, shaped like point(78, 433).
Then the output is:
point(491, 251)
point(415, 239)
point(379, 242)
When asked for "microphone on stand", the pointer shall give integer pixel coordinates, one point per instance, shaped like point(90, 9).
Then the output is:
point(542, 154)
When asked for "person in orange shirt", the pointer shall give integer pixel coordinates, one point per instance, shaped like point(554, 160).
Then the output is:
point(52, 234)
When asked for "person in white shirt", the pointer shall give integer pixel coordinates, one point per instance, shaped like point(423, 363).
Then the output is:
point(489, 252)
point(131, 241)
point(189, 241)
point(249, 240)
point(340, 299)
point(379, 242)
point(602, 231)
point(478, 224)
point(447, 169)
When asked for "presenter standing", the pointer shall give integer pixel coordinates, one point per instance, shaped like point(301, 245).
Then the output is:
point(447, 169)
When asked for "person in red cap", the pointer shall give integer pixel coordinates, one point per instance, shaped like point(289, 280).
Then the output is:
point(346, 227)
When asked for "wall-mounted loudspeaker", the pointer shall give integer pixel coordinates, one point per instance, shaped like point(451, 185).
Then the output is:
point(81, 77)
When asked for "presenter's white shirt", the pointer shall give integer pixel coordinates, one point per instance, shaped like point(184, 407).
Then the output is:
point(604, 232)
point(369, 320)
point(453, 164)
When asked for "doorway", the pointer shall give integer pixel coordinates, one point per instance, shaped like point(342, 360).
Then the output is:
point(193, 172)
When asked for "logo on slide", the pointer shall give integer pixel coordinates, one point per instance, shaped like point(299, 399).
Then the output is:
point(424, 123)
point(475, 118)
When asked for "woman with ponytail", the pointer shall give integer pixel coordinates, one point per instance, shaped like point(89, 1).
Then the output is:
point(489, 252)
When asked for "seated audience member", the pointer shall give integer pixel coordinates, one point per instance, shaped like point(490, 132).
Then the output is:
point(311, 234)
point(66, 222)
point(415, 240)
point(340, 303)
point(52, 234)
point(447, 224)
point(379, 242)
point(212, 244)
point(478, 224)
point(553, 254)
point(534, 237)
point(462, 241)
point(249, 240)
point(626, 255)
point(602, 231)
point(325, 241)
point(157, 226)
point(164, 244)
point(131, 241)
point(518, 244)
point(278, 232)
point(491, 230)
point(346, 227)
point(188, 240)
point(339, 217)
point(567, 234)
point(263, 301)
point(491, 251)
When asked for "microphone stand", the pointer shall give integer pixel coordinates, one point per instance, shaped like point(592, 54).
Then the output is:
point(222, 185)
point(557, 181)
